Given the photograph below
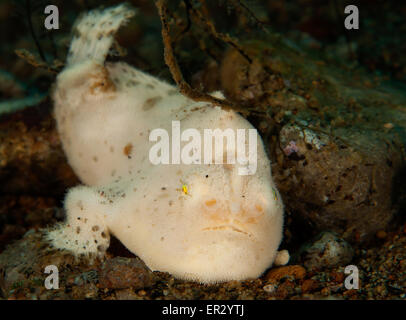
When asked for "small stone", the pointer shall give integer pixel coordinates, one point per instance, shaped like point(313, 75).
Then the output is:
point(285, 289)
point(270, 288)
point(92, 292)
point(295, 271)
point(126, 294)
point(282, 258)
point(121, 273)
point(327, 250)
point(381, 290)
point(309, 285)
point(338, 277)
point(381, 234)
point(13, 279)
point(388, 125)
point(325, 291)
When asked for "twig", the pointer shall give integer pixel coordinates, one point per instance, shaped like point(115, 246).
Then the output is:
point(33, 60)
point(172, 63)
point(221, 36)
point(188, 7)
point(31, 27)
point(253, 16)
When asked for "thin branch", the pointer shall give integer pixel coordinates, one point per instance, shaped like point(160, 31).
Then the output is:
point(188, 7)
point(33, 60)
point(253, 16)
point(221, 36)
point(32, 31)
point(173, 65)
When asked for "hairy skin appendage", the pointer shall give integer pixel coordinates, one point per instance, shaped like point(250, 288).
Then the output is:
point(202, 222)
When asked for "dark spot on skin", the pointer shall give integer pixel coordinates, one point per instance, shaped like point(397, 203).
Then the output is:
point(207, 175)
point(95, 228)
point(150, 103)
point(127, 150)
point(131, 83)
point(78, 230)
point(103, 235)
point(163, 188)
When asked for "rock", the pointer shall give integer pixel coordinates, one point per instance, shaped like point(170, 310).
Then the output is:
point(341, 184)
point(121, 273)
point(327, 250)
point(336, 162)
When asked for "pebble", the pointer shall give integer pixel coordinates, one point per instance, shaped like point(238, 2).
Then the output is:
point(381, 234)
point(388, 125)
point(282, 258)
point(327, 250)
point(270, 288)
point(309, 285)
